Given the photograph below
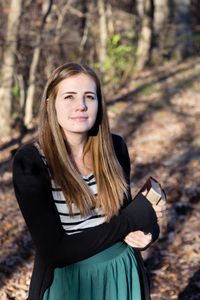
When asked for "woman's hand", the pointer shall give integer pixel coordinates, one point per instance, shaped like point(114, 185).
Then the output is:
point(160, 210)
point(137, 239)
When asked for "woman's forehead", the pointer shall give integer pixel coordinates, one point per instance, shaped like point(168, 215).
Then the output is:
point(79, 82)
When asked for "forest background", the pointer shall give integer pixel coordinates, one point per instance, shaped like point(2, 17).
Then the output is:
point(146, 53)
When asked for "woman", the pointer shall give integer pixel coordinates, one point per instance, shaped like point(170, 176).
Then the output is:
point(73, 188)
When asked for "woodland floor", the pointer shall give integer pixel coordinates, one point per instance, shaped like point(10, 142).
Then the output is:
point(158, 114)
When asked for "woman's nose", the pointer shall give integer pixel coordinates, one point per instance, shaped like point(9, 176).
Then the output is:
point(81, 105)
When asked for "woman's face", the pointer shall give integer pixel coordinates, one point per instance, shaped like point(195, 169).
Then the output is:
point(76, 104)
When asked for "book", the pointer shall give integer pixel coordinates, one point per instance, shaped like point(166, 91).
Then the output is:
point(153, 191)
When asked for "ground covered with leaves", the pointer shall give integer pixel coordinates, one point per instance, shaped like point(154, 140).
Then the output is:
point(158, 114)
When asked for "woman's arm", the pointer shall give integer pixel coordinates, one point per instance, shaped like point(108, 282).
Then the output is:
point(137, 239)
point(140, 240)
point(33, 192)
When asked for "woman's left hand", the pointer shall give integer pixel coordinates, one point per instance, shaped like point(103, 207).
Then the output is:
point(138, 239)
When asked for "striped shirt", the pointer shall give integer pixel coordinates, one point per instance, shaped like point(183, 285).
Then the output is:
point(75, 223)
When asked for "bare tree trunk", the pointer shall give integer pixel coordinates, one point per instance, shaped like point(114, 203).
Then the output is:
point(195, 12)
point(145, 38)
point(84, 27)
point(183, 28)
point(103, 33)
point(161, 14)
point(8, 67)
point(140, 7)
point(33, 68)
point(61, 16)
point(22, 93)
point(161, 28)
point(109, 14)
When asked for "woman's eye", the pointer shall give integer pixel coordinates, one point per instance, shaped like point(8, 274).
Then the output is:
point(91, 97)
point(68, 97)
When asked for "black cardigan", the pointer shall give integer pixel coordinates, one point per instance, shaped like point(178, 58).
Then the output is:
point(54, 248)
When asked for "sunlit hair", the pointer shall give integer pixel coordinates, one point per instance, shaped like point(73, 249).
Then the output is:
point(111, 184)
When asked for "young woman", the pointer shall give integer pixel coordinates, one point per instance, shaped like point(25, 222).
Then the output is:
point(73, 188)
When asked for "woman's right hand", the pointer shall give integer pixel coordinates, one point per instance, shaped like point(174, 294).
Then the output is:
point(160, 211)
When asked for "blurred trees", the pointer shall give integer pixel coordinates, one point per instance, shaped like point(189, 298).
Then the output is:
point(118, 38)
point(46, 8)
point(102, 33)
point(182, 23)
point(8, 66)
point(145, 35)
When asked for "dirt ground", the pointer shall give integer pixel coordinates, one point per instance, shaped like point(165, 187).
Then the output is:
point(158, 114)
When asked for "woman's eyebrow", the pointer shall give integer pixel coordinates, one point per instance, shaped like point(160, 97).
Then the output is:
point(89, 92)
point(69, 93)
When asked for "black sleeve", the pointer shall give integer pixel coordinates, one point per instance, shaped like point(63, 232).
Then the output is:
point(33, 192)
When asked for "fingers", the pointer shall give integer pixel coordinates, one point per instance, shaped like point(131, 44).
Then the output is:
point(138, 239)
point(160, 210)
point(159, 214)
point(138, 243)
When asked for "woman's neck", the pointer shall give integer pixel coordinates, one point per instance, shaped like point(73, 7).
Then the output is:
point(76, 144)
point(83, 163)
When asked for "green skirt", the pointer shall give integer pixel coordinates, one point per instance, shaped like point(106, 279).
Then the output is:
point(109, 275)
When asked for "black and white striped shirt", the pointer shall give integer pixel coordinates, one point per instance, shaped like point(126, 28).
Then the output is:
point(75, 223)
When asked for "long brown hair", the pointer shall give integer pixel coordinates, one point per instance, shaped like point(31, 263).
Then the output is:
point(111, 184)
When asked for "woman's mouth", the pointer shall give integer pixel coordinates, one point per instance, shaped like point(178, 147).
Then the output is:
point(79, 118)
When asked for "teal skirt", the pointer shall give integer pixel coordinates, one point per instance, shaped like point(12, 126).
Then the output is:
point(109, 275)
